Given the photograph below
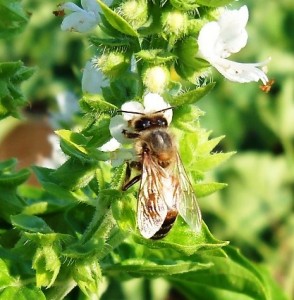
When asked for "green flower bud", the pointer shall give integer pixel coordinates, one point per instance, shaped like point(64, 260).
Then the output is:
point(112, 64)
point(135, 12)
point(87, 275)
point(184, 5)
point(156, 79)
point(175, 23)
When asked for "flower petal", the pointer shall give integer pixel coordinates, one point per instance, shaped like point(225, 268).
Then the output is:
point(233, 35)
point(70, 6)
point(92, 79)
point(132, 106)
point(116, 127)
point(81, 21)
point(226, 36)
point(121, 155)
point(154, 102)
point(110, 146)
point(207, 40)
point(240, 72)
point(91, 6)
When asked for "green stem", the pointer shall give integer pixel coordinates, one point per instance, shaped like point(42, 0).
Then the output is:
point(102, 216)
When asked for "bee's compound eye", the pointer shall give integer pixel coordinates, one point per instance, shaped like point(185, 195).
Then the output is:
point(161, 122)
point(142, 124)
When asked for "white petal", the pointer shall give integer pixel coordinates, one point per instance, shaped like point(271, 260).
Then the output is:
point(240, 72)
point(122, 155)
point(81, 21)
point(132, 106)
point(233, 35)
point(91, 5)
point(154, 102)
point(207, 40)
point(116, 127)
point(226, 36)
point(111, 145)
point(71, 6)
point(92, 79)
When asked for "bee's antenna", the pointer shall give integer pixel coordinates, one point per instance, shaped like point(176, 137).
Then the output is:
point(142, 114)
point(130, 112)
point(165, 109)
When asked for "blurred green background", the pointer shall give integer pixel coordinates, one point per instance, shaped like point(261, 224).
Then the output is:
point(255, 212)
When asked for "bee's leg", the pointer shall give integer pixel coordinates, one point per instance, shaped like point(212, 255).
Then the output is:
point(130, 135)
point(131, 182)
point(128, 183)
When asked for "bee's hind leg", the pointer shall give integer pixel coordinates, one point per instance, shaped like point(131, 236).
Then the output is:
point(128, 183)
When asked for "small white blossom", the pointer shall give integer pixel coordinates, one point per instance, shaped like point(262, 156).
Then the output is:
point(152, 103)
point(57, 156)
point(81, 20)
point(93, 79)
point(219, 39)
point(67, 108)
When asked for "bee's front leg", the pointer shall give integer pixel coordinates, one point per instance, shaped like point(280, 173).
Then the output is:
point(130, 135)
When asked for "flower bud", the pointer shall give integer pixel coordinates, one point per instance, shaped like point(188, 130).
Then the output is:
point(112, 64)
point(134, 12)
point(175, 23)
point(156, 79)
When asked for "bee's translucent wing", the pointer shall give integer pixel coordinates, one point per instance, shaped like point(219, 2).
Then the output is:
point(154, 190)
point(186, 199)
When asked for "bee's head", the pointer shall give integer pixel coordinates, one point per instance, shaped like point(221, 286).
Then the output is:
point(148, 121)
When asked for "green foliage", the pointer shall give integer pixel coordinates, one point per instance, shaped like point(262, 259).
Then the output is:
point(78, 228)
point(12, 74)
point(13, 18)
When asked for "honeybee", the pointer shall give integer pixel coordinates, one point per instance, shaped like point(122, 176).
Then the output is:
point(165, 190)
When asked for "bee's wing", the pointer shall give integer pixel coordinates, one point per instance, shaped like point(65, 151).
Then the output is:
point(152, 206)
point(186, 199)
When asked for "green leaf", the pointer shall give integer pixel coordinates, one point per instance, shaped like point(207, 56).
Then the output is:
point(97, 104)
point(74, 174)
point(14, 179)
point(205, 189)
point(5, 278)
point(13, 18)
point(206, 163)
point(44, 176)
point(8, 165)
point(193, 96)
point(231, 277)
point(75, 144)
point(183, 240)
point(213, 3)
point(10, 203)
point(12, 74)
point(28, 292)
point(106, 37)
point(116, 21)
point(30, 223)
point(153, 269)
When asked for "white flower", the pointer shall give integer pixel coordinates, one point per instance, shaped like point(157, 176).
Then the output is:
point(57, 156)
point(119, 123)
point(219, 39)
point(67, 108)
point(81, 20)
point(92, 79)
